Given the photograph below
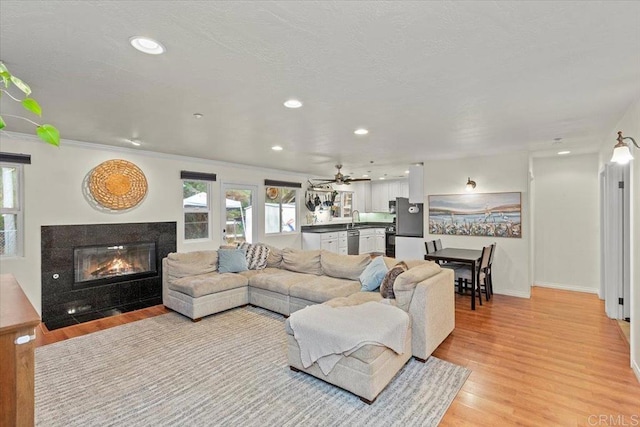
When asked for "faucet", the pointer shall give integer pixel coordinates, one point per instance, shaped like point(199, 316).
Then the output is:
point(353, 214)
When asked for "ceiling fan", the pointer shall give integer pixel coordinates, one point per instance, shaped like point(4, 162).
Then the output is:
point(339, 178)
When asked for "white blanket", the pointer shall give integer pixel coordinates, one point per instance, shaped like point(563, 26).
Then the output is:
point(326, 333)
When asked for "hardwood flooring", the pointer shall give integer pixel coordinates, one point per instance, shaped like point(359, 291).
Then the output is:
point(554, 359)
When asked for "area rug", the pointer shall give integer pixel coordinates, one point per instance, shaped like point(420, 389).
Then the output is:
point(228, 369)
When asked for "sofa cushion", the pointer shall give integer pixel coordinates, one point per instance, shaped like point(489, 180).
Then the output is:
point(232, 260)
point(324, 288)
point(343, 266)
point(257, 255)
point(371, 277)
point(210, 283)
point(274, 259)
point(279, 281)
point(406, 283)
point(191, 263)
point(386, 288)
point(250, 273)
point(354, 299)
point(302, 261)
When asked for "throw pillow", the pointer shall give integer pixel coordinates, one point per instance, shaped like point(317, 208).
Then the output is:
point(372, 276)
point(386, 288)
point(231, 260)
point(256, 255)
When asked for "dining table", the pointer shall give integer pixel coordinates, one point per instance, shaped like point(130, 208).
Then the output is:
point(462, 256)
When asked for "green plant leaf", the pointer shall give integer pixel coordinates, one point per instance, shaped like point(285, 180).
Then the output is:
point(3, 68)
point(21, 85)
point(32, 105)
point(6, 78)
point(49, 134)
point(2, 123)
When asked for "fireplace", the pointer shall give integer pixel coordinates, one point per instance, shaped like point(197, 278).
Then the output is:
point(103, 264)
point(90, 271)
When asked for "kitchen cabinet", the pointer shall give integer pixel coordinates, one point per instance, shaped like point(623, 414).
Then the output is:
point(367, 241)
point(416, 184)
point(342, 243)
point(380, 197)
point(380, 246)
point(335, 242)
point(372, 240)
point(361, 196)
point(343, 204)
point(384, 191)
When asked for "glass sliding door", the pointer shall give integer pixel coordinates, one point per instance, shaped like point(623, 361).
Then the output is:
point(239, 217)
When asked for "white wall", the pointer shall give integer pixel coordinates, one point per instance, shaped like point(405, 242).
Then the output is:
point(630, 126)
point(53, 196)
point(502, 173)
point(566, 219)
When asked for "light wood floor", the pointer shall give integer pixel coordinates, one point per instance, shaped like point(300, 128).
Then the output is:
point(554, 359)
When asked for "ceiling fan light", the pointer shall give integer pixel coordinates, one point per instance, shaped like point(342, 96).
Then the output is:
point(621, 154)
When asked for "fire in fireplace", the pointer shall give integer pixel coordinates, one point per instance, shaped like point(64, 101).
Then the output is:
point(96, 265)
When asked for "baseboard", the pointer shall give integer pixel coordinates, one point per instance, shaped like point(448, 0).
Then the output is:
point(636, 369)
point(566, 287)
point(513, 293)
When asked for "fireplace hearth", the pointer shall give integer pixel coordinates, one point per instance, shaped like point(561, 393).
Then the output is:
point(97, 270)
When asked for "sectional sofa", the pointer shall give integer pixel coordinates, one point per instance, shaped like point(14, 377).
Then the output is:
point(294, 279)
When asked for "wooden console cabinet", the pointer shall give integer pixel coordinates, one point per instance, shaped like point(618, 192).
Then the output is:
point(18, 320)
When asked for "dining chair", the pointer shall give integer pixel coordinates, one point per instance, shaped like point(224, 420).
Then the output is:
point(438, 244)
point(463, 275)
point(430, 246)
point(490, 268)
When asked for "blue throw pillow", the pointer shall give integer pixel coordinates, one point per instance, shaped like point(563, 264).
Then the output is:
point(231, 260)
point(372, 276)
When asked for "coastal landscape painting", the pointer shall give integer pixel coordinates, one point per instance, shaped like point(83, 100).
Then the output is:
point(481, 214)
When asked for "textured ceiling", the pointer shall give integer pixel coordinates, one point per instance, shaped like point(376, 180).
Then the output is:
point(428, 79)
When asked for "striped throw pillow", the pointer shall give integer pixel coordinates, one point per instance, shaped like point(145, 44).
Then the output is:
point(257, 255)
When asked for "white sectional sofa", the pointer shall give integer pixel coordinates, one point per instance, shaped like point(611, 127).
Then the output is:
point(294, 279)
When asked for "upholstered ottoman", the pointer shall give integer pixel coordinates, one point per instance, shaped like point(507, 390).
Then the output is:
point(364, 372)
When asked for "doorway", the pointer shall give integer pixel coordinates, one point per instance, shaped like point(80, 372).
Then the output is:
point(615, 255)
point(239, 220)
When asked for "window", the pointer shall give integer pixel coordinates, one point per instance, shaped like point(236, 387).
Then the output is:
point(11, 210)
point(280, 210)
point(196, 206)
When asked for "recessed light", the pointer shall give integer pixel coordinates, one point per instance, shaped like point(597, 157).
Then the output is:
point(276, 148)
point(135, 142)
point(562, 153)
point(292, 103)
point(361, 131)
point(147, 45)
point(407, 171)
point(198, 115)
point(365, 176)
point(382, 177)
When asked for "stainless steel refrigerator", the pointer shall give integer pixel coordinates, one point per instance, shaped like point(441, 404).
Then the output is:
point(409, 218)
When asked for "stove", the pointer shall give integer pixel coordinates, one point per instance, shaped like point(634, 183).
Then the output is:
point(390, 240)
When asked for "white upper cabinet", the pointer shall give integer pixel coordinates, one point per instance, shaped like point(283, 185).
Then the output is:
point(416, 184)
point(361, 196)
point(384, 191)
point(380, 196)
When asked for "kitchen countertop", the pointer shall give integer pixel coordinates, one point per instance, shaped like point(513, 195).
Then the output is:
point(329, 228)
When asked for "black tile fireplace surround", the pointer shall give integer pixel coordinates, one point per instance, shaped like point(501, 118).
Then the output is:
point(65, 304)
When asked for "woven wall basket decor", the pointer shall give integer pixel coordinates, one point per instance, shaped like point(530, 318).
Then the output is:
point(117, 184)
